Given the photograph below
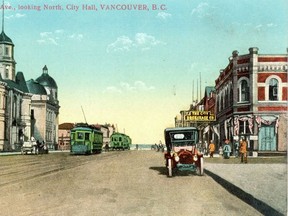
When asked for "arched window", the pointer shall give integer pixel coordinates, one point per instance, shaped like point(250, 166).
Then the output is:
point(231, 94)
point(226, 97)
point(243, 90)
point(273, 89)
point(218, 103)
point(14, 110)
point(223, 99)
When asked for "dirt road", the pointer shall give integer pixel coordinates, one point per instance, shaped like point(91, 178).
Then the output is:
point(114, 183)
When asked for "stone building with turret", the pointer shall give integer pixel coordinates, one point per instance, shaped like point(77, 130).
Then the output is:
point(15, 99)
point(27, 109)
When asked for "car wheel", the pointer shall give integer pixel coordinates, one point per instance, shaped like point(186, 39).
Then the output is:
point(170, 172)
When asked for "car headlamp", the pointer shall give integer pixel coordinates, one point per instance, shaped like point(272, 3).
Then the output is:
point(176, 158)
point(195, 157)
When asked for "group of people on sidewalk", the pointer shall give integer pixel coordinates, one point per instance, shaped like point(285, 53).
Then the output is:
point(159, 147)
point(240, 147)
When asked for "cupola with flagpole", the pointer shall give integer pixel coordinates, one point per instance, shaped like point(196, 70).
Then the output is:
point(7, 62)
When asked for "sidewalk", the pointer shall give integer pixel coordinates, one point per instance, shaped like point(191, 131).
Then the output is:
point(19, 153)
point(263, 186)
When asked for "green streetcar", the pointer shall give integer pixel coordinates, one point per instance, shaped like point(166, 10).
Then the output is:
point(86, 139)
point(120, 141)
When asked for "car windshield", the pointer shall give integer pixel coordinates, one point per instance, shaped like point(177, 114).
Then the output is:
point(183, 138)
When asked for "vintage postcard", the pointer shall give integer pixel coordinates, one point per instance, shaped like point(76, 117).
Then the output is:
point(101, 101)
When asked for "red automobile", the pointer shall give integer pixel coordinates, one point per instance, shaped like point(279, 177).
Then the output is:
point(182, 153)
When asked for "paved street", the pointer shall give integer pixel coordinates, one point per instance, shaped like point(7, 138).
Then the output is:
point(114, 183)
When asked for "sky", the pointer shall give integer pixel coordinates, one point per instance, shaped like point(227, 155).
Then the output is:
point(138, 68)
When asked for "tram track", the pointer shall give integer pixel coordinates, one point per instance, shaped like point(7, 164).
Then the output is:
point(18, 168)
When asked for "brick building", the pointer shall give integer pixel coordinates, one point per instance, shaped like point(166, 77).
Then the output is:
point(64, 136)
point(251, 100)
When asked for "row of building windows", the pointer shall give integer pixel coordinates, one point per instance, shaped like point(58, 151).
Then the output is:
point(225, 97)
point(272, 86)
point(50, 116)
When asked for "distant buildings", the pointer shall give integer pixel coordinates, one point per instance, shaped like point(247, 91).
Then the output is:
point(107, 130)
point(249, 100)
point(27, 109)
point(64, 136)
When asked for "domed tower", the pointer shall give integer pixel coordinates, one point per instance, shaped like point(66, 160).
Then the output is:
point(7, 62)
point(44, 108)
point(50, 85)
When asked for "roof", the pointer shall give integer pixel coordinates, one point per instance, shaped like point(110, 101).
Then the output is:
point(96, 126)
point(19, 83)
point(119, 134)
point(20, 80)
point(66, 126)
point(208, 90)
point(84, 127)
point(35, 87)
point(5, 39)
point(46, 80)
point(180, 129)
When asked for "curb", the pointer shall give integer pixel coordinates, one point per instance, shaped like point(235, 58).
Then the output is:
point(259, 205)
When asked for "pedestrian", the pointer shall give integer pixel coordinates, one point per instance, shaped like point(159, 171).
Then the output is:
point(106, 147)
point(205, 148)
point(220, 151)
point(236, 149)
point(226, 149)
point(211, 148)
point(161, 147)
point(243, 150)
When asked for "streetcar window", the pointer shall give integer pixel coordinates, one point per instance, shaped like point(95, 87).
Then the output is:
point(120, 139)
point(87, 136)
point(72, 136)
point(80, 135)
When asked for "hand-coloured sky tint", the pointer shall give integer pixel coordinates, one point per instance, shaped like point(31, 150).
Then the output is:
point(136, 68)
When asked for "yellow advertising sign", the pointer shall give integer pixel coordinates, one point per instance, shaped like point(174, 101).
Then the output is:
point(200, 116)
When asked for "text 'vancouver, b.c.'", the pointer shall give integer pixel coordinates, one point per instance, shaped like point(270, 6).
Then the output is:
point(86, 7)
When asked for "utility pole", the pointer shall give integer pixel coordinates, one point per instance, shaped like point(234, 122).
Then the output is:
point(192, 92)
